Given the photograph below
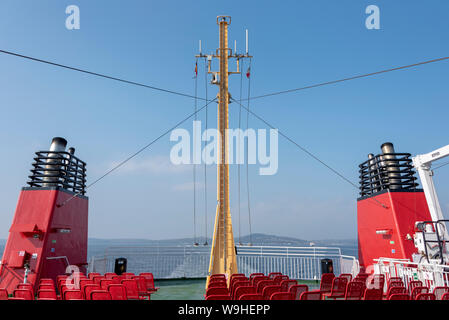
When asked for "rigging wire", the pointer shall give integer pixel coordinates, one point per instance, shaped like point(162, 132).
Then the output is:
point(349, 78)
point(137, 153)
point(205, 165)
point(247, 156)
point(440, 166)
point(99, 74)
point(195, 242)
point(238, 163)
point(307, 152)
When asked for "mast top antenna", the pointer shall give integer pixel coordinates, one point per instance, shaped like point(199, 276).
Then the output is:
point(224, 19)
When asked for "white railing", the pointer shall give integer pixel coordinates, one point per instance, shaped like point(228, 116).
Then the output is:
point(193, 262)
point(430, 274)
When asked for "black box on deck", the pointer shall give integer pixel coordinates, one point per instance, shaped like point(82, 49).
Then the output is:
point(120, 265)
point(327, 266)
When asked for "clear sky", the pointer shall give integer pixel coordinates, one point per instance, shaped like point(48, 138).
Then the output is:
point(294, 43)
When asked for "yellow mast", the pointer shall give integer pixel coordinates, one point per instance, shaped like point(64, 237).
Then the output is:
point(223, 254)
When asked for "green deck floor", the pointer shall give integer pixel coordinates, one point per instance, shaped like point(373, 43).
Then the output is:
point(193, 289)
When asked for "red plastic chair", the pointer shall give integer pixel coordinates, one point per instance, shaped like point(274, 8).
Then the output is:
point(109, 275)
point(217, 291)
point(297, 289)
point(117, 291)
point(217, 284)
point(445, 296)
point(25, 294)
point(252, 275)
point(100, 295)
point(439, 291)
point(46, 281)
point(271, 275)
point(240, 291)
point(286, 284)
point(97, 279)
point(257, 279)
point(238, 284)
point(354, 290)
point(281, 296)
point(46, 294)
point(142, 287)
point(72, 295)
point(28, 286)
point(396, 290)
point(338, 289)
point(93, 274)
point(278, 279)
point(268, 291)
point(425, 296)
point(373, 294)
point(132, 291)
point(326, 283)
point(105, 283)
point(418, 290)
point(399, 296)
point(46, 287)
point(413, 284)
point(128, 275)
point(251, 296)
point(218, 297)
point(88, 288)
point(348, 276)
point(3, 294)
point(149, 279)
point(262, 284)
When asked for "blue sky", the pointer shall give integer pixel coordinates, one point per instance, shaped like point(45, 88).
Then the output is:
point(294, 43)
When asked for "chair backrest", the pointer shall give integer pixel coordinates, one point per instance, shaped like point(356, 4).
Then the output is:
point(26, 294)
point(326, 282)
point(117, 291)
point(85, 282)
point(100, 295)
point(425, 296)
point(262, 284)
point(393, 284)
point(46, 287)
point(251, 296)
point(310, 295)
point(279, 278)
point(271, 275)
point(93, 274)
point(217, 291)
point(377, 281)
point(240, 291)
point(268, 291)
point(236, 279)
point(97, 279)
point(132, 290)
point(105, 283)
point(348, 276)
point(3, 294)
point(439, 291)
point(72, 295)
point(373, 294)
point(217, 276)
point(396, 290)
point(339, 285)
point(128, 275)
point(217, 279)
point(88, 288)
point(149, 280)
point(217, 284)
point(418, 290)
point(286, 284)
point(394, 279)
point(354, 290)
point(109, 275)
point(281, 296)
point(445, 296)
point(297, 289)
point(218, 297)
point(399, 296)
point(48, 294)
point(257, 279)
point(141, 284)
point(237, 284)
point(237, 275)
point(255, 274)
point(25, 286)
point(46, 281)
point(117, 279)
point(413, 284)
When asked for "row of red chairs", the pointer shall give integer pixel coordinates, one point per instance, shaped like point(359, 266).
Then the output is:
point(274, 286)
point(343, 287)
point(94, 287)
